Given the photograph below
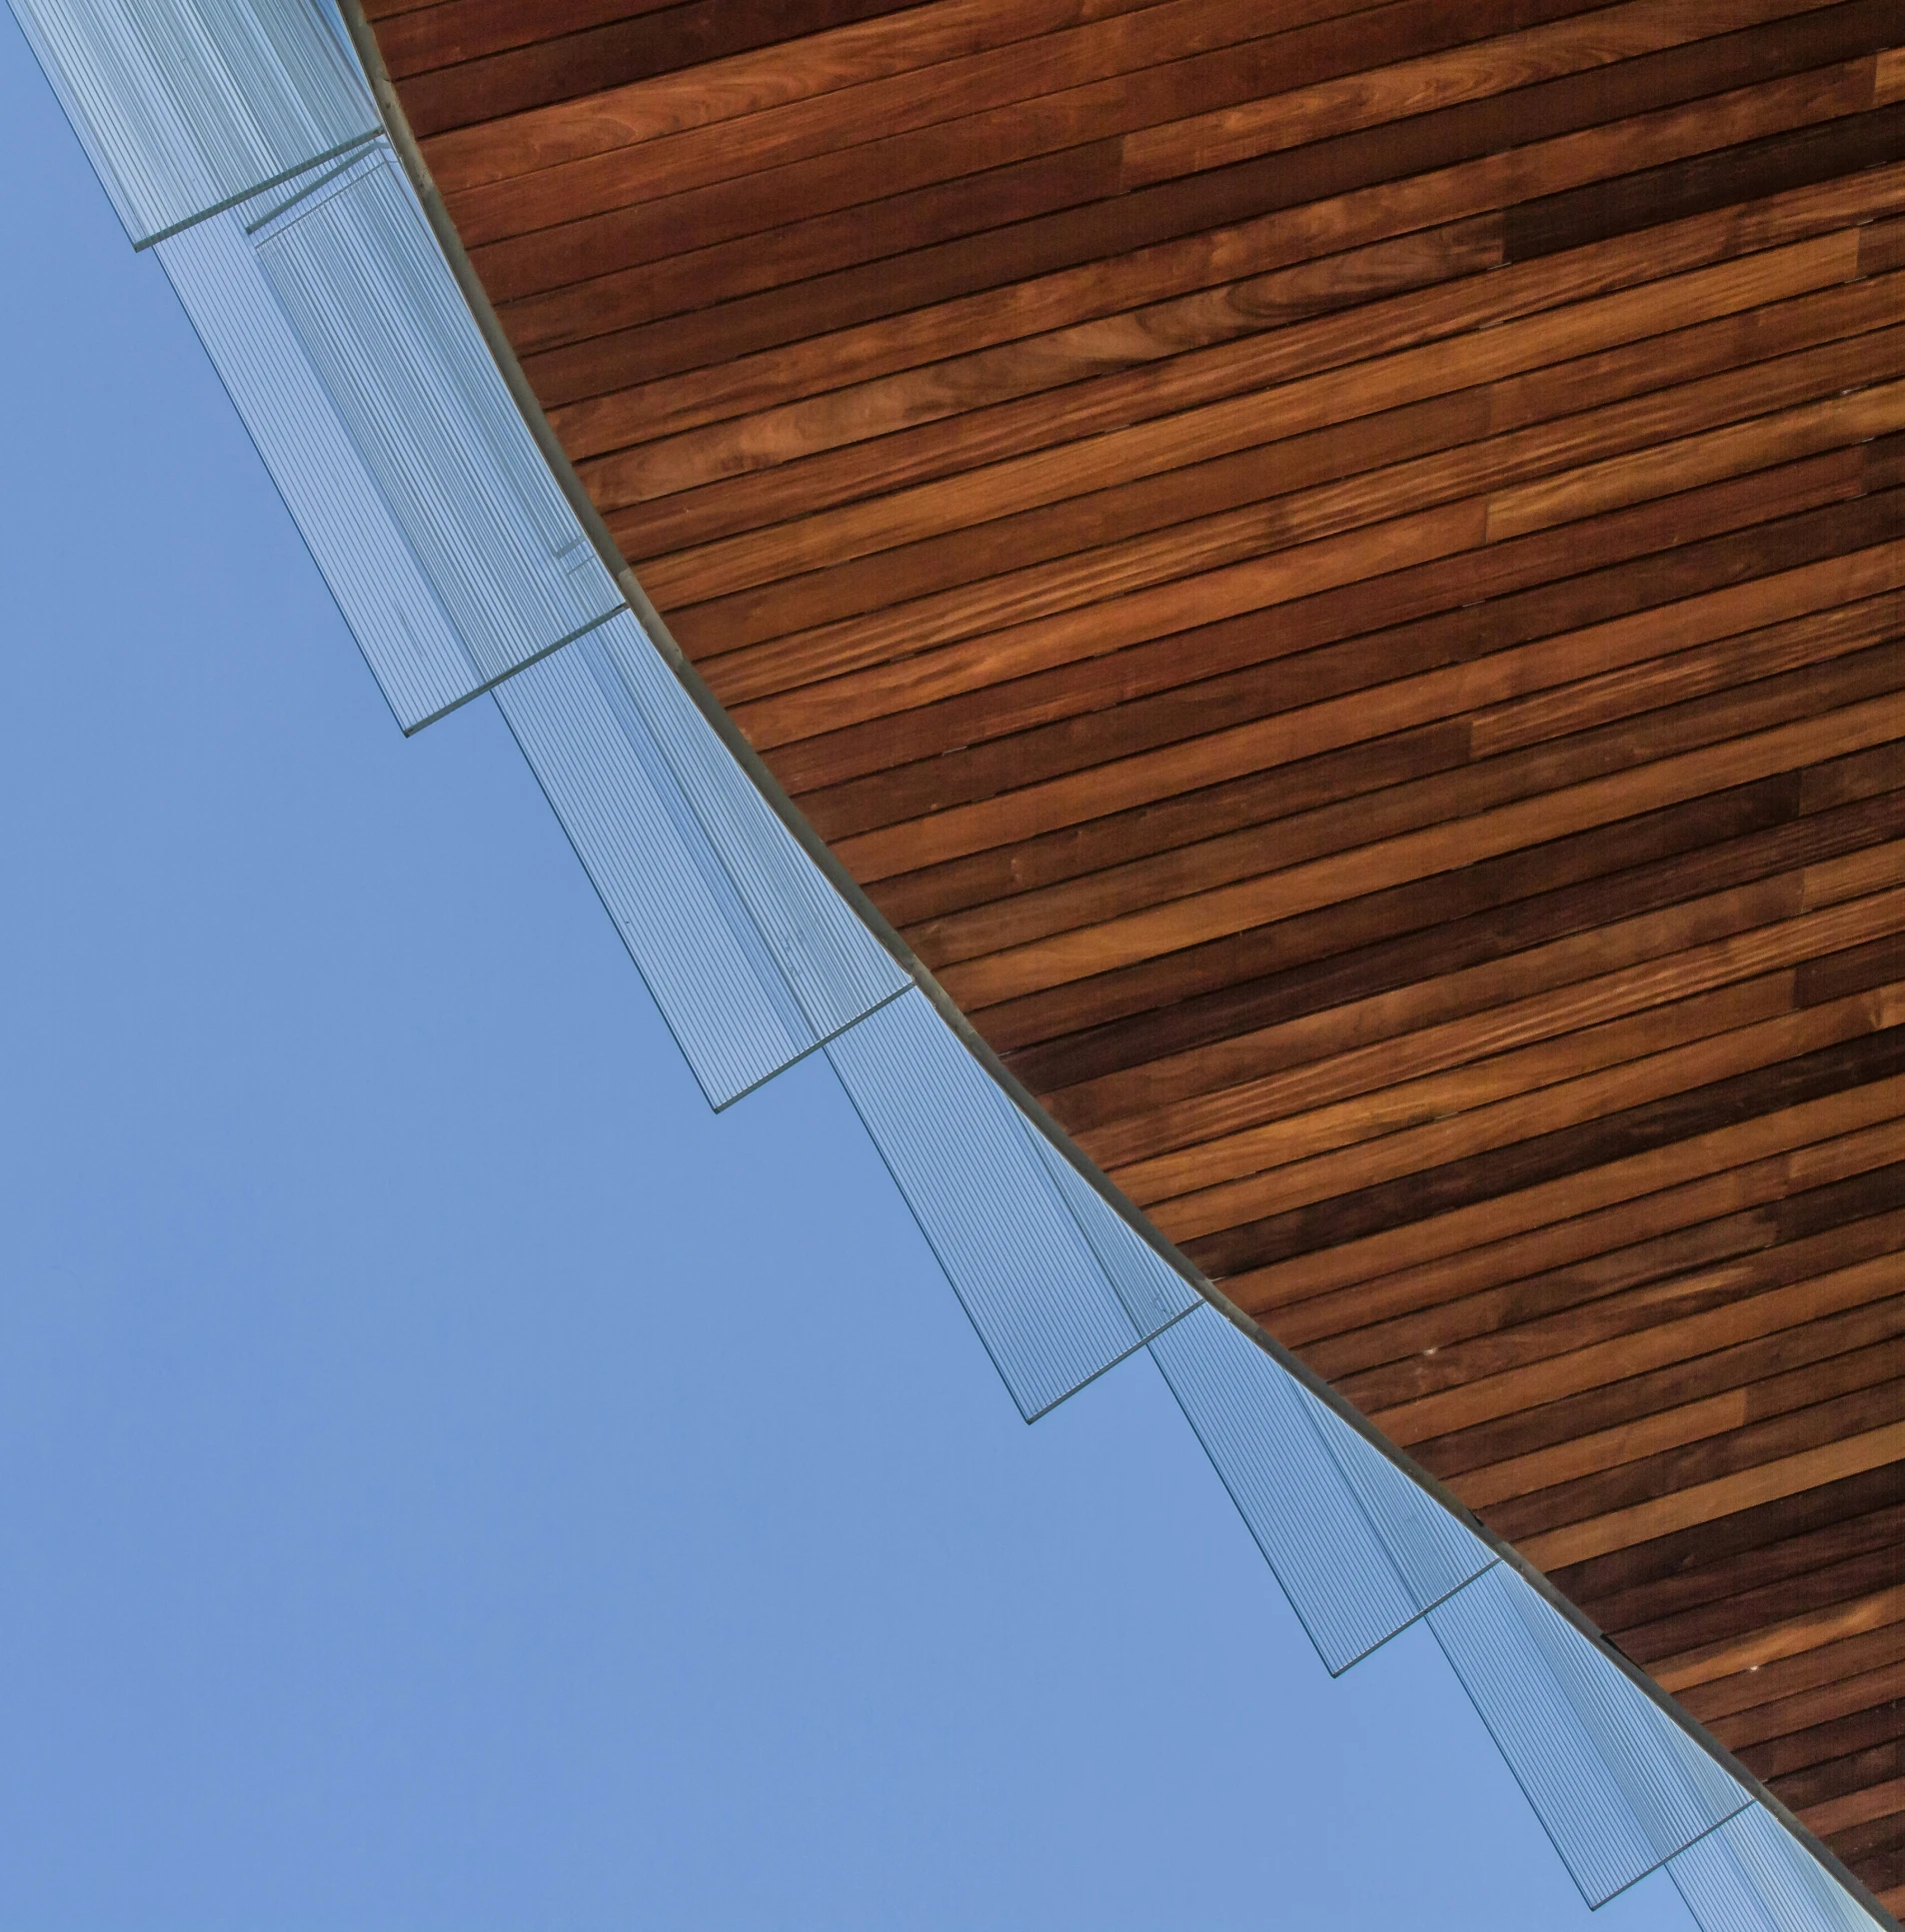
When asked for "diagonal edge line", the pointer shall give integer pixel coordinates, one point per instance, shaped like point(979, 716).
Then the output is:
point(365, 140)
point(503, 677)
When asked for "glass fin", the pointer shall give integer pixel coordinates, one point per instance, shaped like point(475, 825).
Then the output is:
point(345, 343)
point(1617, 1784)
point(833, 966)
point(969, 1166)
point(1274, 1444)
point(1434, 1551)
point(664, 880)
point(393, 611)
point(371, 299)
point(1154, 1294)
point(1753, 1875)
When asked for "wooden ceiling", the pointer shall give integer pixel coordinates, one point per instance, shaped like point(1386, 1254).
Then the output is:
point(1337, 571)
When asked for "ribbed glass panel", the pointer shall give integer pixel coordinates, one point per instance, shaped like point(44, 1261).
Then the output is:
point(1432, 1550)
point(967, 1163)
point(376, 307)
point(666, 880)
point(1752, 1875)
point(1617, 1784)
point(833, 966)
point(396, 616)
point(1154, 1294)
point(185, 106)
point(1354, 1579)
point(346, 346)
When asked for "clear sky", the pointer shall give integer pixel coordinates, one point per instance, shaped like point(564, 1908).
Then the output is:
point(448, 1478)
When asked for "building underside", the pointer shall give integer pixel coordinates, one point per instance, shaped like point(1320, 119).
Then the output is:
point(1336, 573)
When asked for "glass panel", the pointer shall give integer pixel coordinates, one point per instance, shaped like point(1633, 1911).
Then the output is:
point(369, 295)
point(1353, 1577)
point(831, 964)
point(346, 346)
point(1616, 1784)
point(663, 880)
point(969, 1166)
point(185, 107)
point(1434, 1551)
point(396, 616)
point(1753, 1875)
point(1154, 1294)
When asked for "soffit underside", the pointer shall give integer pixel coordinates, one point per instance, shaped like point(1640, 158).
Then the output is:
point(1336, 572)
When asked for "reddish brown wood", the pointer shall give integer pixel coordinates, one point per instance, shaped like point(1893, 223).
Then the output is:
point(1339, 572)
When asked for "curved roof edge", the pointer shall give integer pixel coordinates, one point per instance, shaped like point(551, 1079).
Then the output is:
point(1278, 1435)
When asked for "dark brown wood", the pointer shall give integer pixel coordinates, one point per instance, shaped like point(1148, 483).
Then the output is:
point(1339, 572)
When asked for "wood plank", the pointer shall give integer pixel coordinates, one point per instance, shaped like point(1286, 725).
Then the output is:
point(1010, 55)
point(983, 349)
point(1803, 1710)
point(1878, 1764)
point(1702, 1503)
point(792, 397)
point(1825, 1743)
point(1739, 530)
point(1741, 1451)
point(849, 271)
point(1483, 1223)
point(1307, 1081)
point(1877, 1847)
point(490, 81)
point(1694, 1334)
point(1193, 374)
point(1765, 1682)
point(1387, 1138)
point(1533, 1348)
point(1177, 579)
point(847, 298)
point(1875, 1801)
point(1763, 1240)
point(416, 38)
point(1824, 1549)
point(1346, 955)
point(1562, 687)
point(1420, 782)
point(861, 792)
point(1420, 852)
point(1230, 998)
point(943, 527)
point(1165, 692)
point(739, 84)
point(1620, 205)
point(1668, 1405)
point(1640, 1239)
point(1414, 86)
point(1155, 64)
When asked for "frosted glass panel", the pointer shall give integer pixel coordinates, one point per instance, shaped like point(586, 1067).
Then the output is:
point(346, 345)
point(392, 610)
point(831, 962)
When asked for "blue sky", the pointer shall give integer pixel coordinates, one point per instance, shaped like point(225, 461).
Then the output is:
point(448, 1478)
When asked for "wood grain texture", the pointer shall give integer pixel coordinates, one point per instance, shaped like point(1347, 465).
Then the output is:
point(1338, 571)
